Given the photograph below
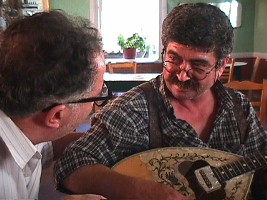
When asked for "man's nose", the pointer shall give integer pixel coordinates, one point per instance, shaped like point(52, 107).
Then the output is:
point(182, 75)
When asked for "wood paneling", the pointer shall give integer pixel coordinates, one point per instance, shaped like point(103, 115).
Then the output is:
point(247, 70)
point(261, 72)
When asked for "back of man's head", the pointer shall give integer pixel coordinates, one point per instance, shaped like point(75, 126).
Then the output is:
point(46, 58)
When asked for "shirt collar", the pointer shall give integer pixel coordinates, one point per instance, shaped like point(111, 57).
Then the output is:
point(20, 147)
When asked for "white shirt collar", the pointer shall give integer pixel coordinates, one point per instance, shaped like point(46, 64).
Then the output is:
point(20, 147)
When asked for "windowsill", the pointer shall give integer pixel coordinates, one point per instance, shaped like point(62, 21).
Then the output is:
point(138, 60)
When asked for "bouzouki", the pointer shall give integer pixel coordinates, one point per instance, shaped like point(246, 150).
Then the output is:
point(198, 173)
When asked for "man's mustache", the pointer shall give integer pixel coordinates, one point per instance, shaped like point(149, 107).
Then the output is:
point(189, 84)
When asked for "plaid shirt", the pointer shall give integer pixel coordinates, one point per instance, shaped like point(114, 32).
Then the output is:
point(122, 129)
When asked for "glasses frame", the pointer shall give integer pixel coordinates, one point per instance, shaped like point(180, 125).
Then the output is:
point(86, 100)
point(186, 71)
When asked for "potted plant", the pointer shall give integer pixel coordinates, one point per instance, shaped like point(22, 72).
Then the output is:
point(131, 44)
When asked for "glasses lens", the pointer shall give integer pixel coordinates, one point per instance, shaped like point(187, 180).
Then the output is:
point(104, 94)
point(198, 74)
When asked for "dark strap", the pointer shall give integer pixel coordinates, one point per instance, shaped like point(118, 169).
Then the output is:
point(155, 137)
point(240, 117)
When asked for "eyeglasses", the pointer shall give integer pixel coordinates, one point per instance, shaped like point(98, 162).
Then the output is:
point(100, 101)
point(195, 72)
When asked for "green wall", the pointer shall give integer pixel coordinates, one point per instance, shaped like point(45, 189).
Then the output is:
point(244, 35)
point(260, 41)
point(73, 7)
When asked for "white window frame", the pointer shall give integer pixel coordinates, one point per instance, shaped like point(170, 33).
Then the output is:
point(95, 6)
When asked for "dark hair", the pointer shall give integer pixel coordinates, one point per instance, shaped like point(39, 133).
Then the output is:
point(201, 26)
point(46, 58)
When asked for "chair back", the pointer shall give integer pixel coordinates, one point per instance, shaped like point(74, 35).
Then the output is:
point(126, 65)
point(255, 69)
point(257, 94)
point(228, 73)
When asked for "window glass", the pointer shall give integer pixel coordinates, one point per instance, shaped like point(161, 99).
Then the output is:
point(127, 17)
point(233, 10)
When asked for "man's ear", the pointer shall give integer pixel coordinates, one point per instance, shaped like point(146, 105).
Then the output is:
point(54, 116)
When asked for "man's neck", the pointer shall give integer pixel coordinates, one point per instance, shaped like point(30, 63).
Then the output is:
point(199, 113)
point(29, 128)
point(198, 103)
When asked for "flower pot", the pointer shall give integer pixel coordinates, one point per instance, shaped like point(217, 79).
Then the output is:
point(129, 53)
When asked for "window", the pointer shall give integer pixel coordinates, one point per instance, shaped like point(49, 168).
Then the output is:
point(145, 17)
point(126, 17)
point(233, 10)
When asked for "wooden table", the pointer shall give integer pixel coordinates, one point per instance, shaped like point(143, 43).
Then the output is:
point(123, 82)
point(237, 64)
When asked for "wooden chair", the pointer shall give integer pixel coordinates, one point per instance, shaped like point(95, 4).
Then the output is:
point(258, 100)
point(228, 73)
point(132, 66)
point(255, 69)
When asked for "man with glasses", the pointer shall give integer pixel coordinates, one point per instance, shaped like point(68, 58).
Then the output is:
point(194, 108)
point(100, 101)
point(51, 73)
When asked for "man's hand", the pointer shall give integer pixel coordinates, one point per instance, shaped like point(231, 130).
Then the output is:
point(116, 186)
